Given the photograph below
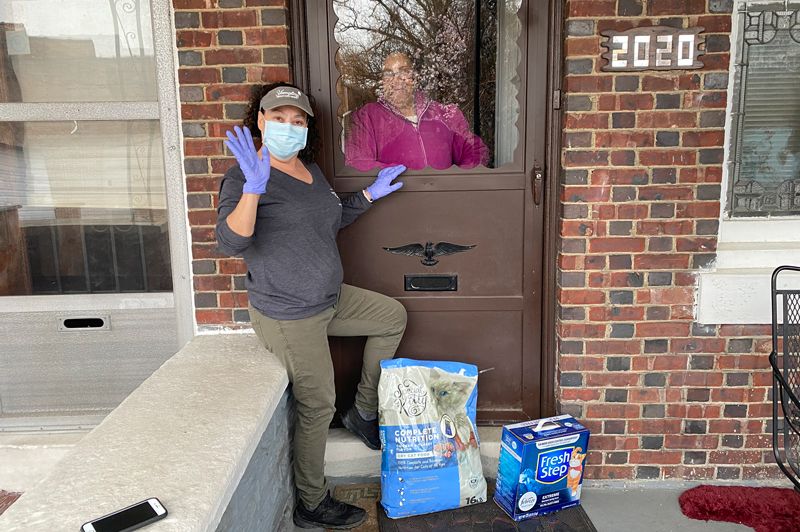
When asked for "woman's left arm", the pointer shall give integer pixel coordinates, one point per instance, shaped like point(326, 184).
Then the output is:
point(353, 205)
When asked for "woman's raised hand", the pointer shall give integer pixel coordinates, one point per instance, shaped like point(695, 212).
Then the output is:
point(383, 184)
point(255, 168)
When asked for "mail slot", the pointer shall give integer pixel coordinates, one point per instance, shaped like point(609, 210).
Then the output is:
point(431, 283)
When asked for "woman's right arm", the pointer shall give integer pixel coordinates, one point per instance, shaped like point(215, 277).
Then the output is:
point(236, 216)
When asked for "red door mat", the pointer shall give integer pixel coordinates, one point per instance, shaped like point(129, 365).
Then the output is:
point(7, 498)
point(765, 509)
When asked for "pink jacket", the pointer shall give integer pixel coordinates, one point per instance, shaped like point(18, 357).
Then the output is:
point(379, 136)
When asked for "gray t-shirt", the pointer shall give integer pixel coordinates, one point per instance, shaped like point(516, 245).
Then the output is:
point(293, 266)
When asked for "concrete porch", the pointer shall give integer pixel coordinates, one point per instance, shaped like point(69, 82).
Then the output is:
point(652, 505)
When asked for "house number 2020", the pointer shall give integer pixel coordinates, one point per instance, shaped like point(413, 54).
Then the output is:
point(654, 48)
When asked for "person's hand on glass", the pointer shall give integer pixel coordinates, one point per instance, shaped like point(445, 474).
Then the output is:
point(255, 169)
point(383, 184)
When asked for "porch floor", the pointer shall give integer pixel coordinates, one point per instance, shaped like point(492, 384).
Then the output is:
point(643, 505)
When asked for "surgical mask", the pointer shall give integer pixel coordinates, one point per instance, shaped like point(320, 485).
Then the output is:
point(284, 141)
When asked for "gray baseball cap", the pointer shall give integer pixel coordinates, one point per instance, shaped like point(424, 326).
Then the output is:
point(286, 96)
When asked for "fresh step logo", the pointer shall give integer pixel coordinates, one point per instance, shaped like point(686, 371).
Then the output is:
point(553, 465)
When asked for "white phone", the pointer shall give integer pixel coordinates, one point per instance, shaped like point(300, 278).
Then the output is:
point(131, 518)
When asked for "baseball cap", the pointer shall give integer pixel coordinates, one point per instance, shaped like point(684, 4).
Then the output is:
point(286, 96)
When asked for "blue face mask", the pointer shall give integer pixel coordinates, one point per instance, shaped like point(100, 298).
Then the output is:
point(284, 141)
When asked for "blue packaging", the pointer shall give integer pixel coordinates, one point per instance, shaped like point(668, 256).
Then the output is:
point(430, 459)
point(541, 466)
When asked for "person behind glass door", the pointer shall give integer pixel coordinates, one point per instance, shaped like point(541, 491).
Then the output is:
point(406, 127)
point(277, 210)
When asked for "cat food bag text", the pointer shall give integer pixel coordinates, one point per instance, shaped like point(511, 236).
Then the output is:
point(541, 466)
point(431, 460)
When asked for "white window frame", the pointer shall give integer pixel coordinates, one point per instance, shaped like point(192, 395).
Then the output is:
point(736, 289)
point(167, 111)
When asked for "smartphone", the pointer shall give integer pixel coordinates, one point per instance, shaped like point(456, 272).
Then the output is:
point(131, 518)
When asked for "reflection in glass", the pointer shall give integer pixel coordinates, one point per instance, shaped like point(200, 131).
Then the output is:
point(428, 82)
point(83, 209)
point(76, 51)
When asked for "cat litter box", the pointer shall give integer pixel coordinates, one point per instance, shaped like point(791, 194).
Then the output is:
point(541, 466)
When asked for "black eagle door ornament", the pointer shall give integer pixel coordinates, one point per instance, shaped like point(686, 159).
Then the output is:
point(429, 251)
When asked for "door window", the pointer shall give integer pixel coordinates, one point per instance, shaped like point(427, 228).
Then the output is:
point(428, 83)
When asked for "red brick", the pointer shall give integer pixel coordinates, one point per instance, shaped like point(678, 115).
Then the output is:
point(232, 266)
point(670, 362)
point(579, 46)
point(580, 363)
point(612, 347)
point(581, 330)
point(671, 296)
point(661, 262)
point(586, 121)
point(712, 137)
point(586, 297)
point(265, 36)
point(659, 82)
point(193, 38)
point(203, 234)
point(761, 472)
point(196, 111)
point(606, 102)
point(734, 457)
point(739, 395)
point(233, 56)
point(665, 192)
point(704, 100)
point(212, 283)
point(624, 139)
point(654, 426)
point(611, 410)
point(213, 316)
point(688, 82)
point(233, 300)
point(220, 166)
point(204, 217)
point(661, 329)
point(745, 330)
point(616, 245)
point(617, 176)
point(700, 209)
point(671, 227)
point(713, 23)
point(632, 211)
point(634, 102)
point(645, 395)
point(580, 394)
point(611, 472)
point(716, 61)
point(268, 74)
point(265, 3)
point(667, 157)
point(193, 4)
point(697, 379)
point(196, 147)
point(688, 472)
point(588, 83)
point(696, 244)
point(619, 379)
point(700, 174)
point(681, 312)
point(617, 313)
point(676, 7)
point(666, 119)
point(572, 194)
point(592, 8)
point(655, 457)
point(243, 18)
point(579, 158)
point(697, 345)
point(188, 76)
point(205, 251)
point(228, 93)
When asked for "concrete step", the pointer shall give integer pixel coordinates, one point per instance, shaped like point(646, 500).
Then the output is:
point(347, 456)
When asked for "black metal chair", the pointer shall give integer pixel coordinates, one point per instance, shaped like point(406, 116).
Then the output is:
point(786, 378)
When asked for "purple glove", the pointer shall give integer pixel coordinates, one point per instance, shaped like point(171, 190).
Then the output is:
point(255, 170)
point(383, 184)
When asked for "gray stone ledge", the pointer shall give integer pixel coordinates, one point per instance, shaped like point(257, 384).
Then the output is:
point(186, 436)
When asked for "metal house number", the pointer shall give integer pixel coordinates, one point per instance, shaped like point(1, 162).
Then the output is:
point(653, 48)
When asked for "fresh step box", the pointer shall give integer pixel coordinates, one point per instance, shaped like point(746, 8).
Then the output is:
point(541, 466)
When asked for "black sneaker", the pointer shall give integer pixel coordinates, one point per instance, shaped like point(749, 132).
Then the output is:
point(330, 513)
point(366, 430)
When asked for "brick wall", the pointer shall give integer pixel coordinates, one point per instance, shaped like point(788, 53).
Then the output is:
point(224, 48)
point(642, 159)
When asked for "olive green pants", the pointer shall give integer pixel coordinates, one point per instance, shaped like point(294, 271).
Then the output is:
point(302, 347)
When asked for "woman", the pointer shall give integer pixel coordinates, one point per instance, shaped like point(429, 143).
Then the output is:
point(278, 211)
point(406, 127)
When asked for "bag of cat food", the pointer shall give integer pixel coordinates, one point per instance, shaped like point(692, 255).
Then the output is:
point(431, 459)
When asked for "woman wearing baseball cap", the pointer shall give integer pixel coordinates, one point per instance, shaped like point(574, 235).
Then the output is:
point(277, 210)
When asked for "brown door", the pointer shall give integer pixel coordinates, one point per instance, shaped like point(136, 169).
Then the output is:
point(482, 305)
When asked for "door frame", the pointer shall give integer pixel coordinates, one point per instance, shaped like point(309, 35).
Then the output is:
point(299, 66)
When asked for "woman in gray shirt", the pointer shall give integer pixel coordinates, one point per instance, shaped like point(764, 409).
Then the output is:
point(277, 211)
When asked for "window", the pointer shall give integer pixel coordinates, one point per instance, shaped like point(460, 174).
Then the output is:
point(764, 167)
point(82, 201)
point(428, 83)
